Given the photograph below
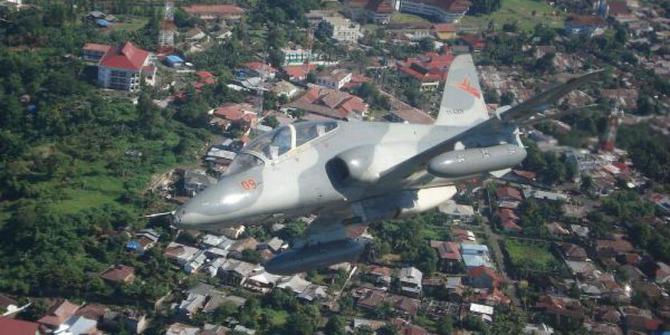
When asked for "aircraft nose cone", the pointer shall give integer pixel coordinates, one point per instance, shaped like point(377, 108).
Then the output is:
point(219, 205)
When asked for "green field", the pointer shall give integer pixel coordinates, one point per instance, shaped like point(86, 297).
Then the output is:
point(130, 23)
point(526, 13)
point(405, 18)
point(530, 257)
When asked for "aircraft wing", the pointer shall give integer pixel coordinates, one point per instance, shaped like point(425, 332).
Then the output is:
point(504, 119)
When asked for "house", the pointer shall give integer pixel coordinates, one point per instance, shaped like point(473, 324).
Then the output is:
point(314, 293)
point(234, 232)
point(579, 230)
point(261, 69)
point(508, 193)
point(445, 31)
point(556, 229)
point(119, 274)
point(240, 115)
point(262, 282)
point(344, 30)
point(612, 248)
point(335, 79)
point(484, 277)
point(449, 11)
point(122, 68)
point(196, 262)
point(462, 235)
point(463, 213)
point(19, 327)
point(449, 254)
point(174, 61)
point(588, 25)
point(275, 244)
point(428, 69)
point(406, 328)
point(235, 273)
point(215, 12)
point(329, 103)
point(294, 283)
point(573, 252)
point(298, 72)
point(508, 220)
point(474, 41)
point(286, 89)
point(93, 52)
point(475, 255)
point(380, 275)
point(145, 239)
point(196, 181)
point(182, 329)
point(410, 279)
point(561, 309)
point(483, 311)
point(80, 325)
point(59, 312)
point(379, 11)
point(182, 254)
point(239, 246)
point(190, 306)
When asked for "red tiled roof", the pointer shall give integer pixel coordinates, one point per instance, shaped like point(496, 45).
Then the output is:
point(213, 10)
point(474, 41)
point(119, 274)
point(379, 270)
point(482, 270)
point(206, 77)
point(298, 72)
point(257, 66)
point(511, 225)
point(234, 112)
point(428, 67)
point(18, 327)
point(508, 192)
point(127, 56)
point(447, 250)
point(507, 214)
point(530, 175)
point(96, 47)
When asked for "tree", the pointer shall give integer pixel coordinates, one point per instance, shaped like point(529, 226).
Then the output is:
point(335, 326)
point(445, 326)
point(426, 44)
point(300, 324)
point(324, 31)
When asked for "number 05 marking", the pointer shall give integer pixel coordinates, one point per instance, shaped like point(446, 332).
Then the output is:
point(248, 184)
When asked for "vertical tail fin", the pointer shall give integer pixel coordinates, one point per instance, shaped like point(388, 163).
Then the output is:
point(462, 101)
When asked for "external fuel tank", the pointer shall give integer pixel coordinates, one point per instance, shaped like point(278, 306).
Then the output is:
point(467, 162)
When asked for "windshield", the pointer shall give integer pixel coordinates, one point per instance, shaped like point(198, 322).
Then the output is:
point(276, 143)
point(243, 162)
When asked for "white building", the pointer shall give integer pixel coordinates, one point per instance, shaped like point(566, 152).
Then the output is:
point(335, 79)
point(295, 56)
point(122, 68)
point(344, 30)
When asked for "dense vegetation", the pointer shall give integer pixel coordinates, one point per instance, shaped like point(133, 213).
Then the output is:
point(74, 163)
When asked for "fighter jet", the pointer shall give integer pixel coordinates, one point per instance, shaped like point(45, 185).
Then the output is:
point(355, 173)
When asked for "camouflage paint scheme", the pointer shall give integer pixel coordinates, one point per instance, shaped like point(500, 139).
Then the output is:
point(360, 172)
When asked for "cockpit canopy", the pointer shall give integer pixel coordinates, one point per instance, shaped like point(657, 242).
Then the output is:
point(274, 144)
point(286, 138)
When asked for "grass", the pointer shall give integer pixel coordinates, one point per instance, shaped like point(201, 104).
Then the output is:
point(528, 257)
point(519, 11)
point(130, 23)
point(93, 192)
point(405, 18)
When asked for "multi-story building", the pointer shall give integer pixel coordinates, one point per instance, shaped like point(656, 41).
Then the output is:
point(440, 10)
point(335, 79)
point(93, 51)
point(294, 56)
point(122, 68)
point(344, 30)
